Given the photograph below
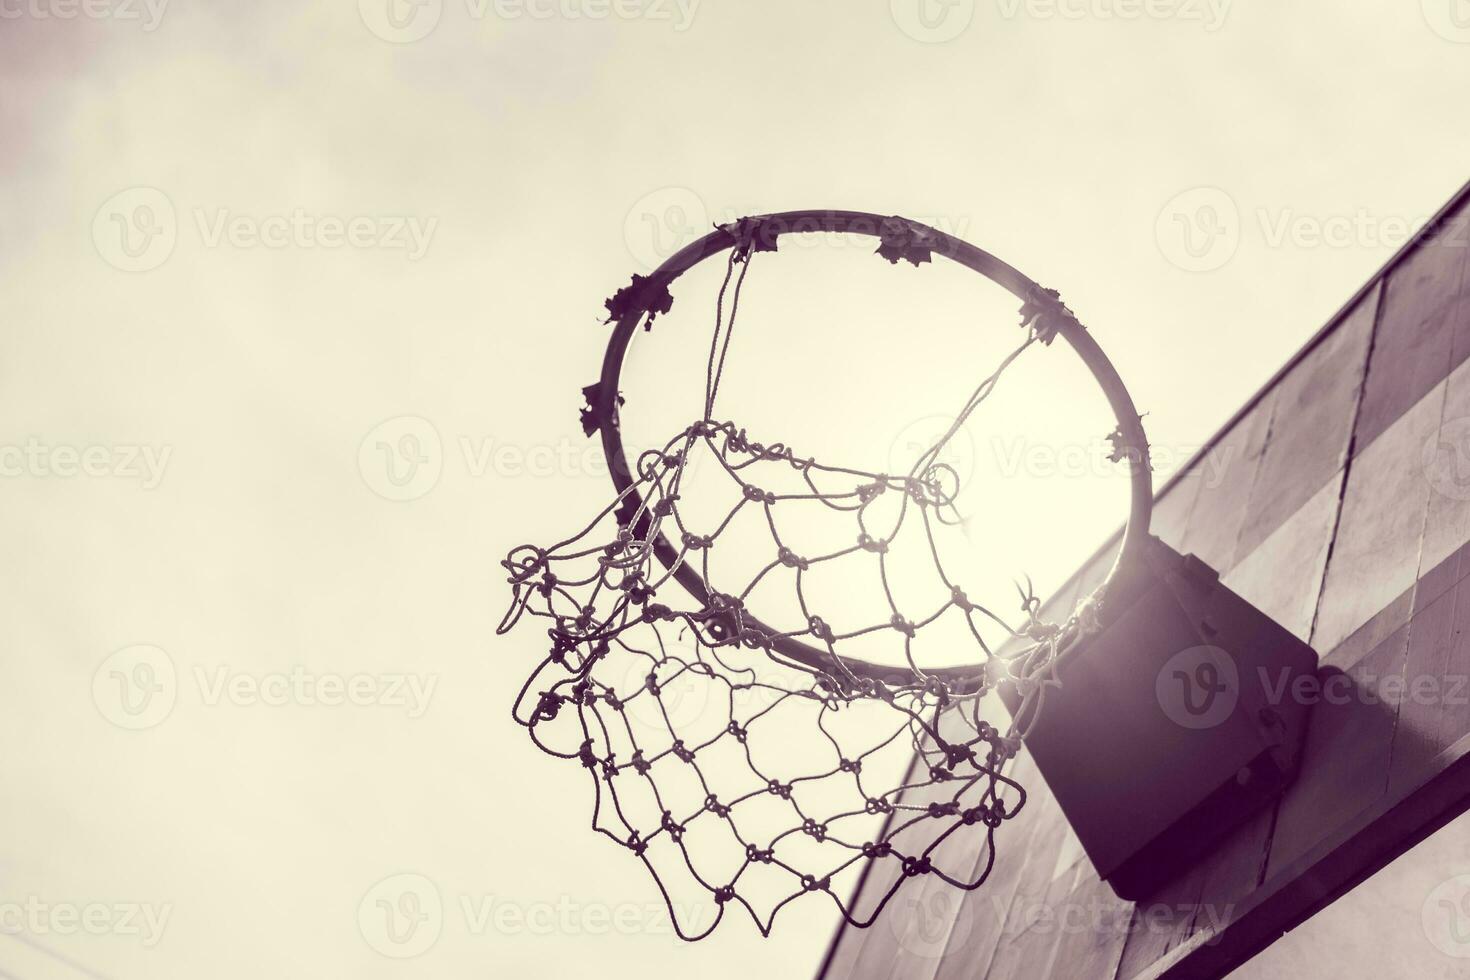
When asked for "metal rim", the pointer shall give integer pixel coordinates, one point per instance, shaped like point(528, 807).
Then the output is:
point(604, 400)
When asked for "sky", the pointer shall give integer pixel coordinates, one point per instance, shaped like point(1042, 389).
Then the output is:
point(298, 303)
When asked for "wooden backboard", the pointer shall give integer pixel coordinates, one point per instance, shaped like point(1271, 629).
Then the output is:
point(1338, 501)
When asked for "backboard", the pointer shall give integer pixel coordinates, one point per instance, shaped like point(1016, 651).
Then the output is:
point(1337, 501)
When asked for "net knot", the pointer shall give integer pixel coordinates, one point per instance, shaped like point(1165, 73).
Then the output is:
point(869, 543)
point(756, 494)
point(548, 706)
point(656, 611)
point(915, 866)
point(674, 828)
point(791, 559)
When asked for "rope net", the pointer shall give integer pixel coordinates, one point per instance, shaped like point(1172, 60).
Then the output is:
point(740, 774)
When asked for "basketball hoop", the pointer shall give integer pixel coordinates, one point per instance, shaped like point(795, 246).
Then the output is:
point(606, 594)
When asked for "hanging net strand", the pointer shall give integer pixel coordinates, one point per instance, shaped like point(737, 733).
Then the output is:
point(721, 803)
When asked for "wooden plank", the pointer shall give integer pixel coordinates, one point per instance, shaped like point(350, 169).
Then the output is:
point(979, 929)
point(1171, 511)
point(1448, 682)
point(1091, 930)
point(1375, 555)
point(1417, 742)
point(1351, 854)
point(1231, 874)
point(1348, 751)
point(1454, 234)
point(1283, 575)
point(1161, 922)
point(1311, 426)
point(1446, 466)
point(1213, 530)
point(1030, 945)
point(1422, 311)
